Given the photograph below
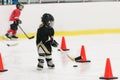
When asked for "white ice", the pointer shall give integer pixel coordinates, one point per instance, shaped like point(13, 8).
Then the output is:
point(21, 60)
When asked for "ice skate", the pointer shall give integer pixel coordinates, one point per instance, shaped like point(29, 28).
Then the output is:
point(7, 36)
point(14, 37)
point(40, 64)
point(39, 67)
point(50, 64)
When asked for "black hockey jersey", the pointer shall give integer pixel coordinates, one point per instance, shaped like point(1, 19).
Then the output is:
point(43, 34)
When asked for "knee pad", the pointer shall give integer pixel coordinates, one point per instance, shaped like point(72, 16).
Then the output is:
point(41, 54)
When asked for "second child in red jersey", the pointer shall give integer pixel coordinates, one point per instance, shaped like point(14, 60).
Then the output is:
point(14, 18)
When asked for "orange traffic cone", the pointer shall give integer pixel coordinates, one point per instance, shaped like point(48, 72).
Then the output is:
point(83, 55)
point(1, 65)
point(63, 45)
point(108, 71)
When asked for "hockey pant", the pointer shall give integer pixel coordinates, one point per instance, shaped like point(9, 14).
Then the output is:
point(13, 28)
point(44, 52)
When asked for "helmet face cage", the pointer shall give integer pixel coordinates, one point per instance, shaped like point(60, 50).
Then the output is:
point(47, 18)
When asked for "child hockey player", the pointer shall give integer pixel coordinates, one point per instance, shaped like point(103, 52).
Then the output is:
point(45, 41)
point(14, 18)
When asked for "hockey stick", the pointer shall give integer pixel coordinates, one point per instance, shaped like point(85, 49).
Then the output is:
point(71, 58)
point(9, 45)
point(76, 59)
point(25, 33)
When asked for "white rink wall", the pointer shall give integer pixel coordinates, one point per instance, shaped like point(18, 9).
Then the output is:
point(68, 16)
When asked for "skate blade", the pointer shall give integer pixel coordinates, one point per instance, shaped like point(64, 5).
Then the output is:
point(39, 69)
point(14, 39)
point(51, 67)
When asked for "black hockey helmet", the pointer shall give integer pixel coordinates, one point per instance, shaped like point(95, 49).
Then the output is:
point(18, 5)
point(46, 18)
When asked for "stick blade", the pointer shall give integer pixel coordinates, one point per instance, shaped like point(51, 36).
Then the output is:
point(31, 37)
point(9, 45)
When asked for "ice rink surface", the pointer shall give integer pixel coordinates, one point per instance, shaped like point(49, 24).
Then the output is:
point(21, 60)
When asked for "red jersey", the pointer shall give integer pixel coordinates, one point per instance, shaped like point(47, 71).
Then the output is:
point(15, 15)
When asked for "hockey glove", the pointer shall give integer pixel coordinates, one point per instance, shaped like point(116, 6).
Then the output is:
point(54, 43)
point(18, 21)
